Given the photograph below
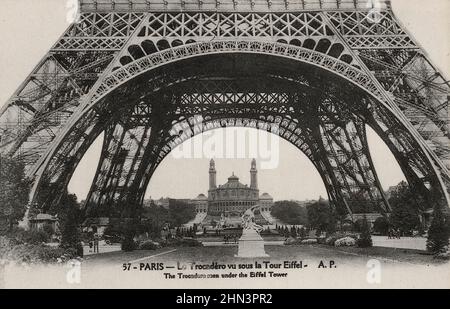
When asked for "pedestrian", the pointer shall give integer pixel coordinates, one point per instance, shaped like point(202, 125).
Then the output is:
point(91, 244)
point(96, 244)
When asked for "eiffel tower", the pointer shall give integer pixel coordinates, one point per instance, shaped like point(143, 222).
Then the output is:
point(315, 72)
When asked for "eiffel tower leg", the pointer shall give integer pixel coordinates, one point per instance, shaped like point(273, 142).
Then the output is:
point(122, 149)
point(87, 127)
point(332, 185)
point(129, 149)
point(56, 179)
point(413, 163)
point(348, 156)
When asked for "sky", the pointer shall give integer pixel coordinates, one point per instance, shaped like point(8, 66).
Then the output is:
point(28, 28)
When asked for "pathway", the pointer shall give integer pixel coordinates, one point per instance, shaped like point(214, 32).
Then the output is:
point(417, 243)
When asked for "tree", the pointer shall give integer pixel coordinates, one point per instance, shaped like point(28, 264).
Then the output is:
point(438, 233)
point(290, 212)
point(154, 219)
point(405, 209)
point(128, 228)
point(70, 220)
point(180, 212)
point(14, 192)
point(365, 239)
point(48, 228)
point(287, 232)
point(302, 232)
point(381, 225)
point(322, 216)
point(293, 232)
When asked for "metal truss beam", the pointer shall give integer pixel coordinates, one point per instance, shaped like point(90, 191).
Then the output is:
point(350, 176)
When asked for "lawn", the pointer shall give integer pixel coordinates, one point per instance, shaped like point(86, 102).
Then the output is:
point(345, 256)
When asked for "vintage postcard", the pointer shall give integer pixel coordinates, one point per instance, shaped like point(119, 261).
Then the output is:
point(224, 144)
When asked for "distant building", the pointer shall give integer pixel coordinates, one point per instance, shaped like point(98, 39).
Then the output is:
point(42, 220)
point(266, 202)
point(305, 202)
point(163, 202)
point(371, 217)
point(234, 198)
point(96, 225)
point(200, 203)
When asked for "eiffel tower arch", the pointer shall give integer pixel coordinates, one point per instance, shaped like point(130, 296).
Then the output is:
point(316, 72)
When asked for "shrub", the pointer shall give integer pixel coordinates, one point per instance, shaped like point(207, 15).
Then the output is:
point(346, 226)
point(290, 212)
point(310, 241)
point(48, 228)
point(22, 253)
point(149, 245)
point(358, 225)
point(330, 240)
point(128, 229)
point(21, 236)
point(363, 243)
point(381, 226)
point(268, 232)
point(72, 253)
point(190, 242)
point(365, 239)
point(49, 254)
point(182, 242)
point(34, 254)
point(438, 233)
point(443, 255)
point(128, 244)
point(292, 241)
point(345, 242)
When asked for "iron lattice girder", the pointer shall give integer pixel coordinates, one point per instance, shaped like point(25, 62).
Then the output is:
point(136, 92)
point(420, 91)
point(45, 102)
point(234, 109)
point(122, 151)
point(110, 24)
point(52, 93)
point(363, 30)
point(402, 145)
point(227, 5)
point(347, 150)
point(128, 72)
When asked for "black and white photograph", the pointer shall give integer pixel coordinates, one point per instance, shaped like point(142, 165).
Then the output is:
point(232, 144)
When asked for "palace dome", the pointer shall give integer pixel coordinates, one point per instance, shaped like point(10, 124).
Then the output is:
point(233, 183)
point(201, 197)
point(266, 196)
